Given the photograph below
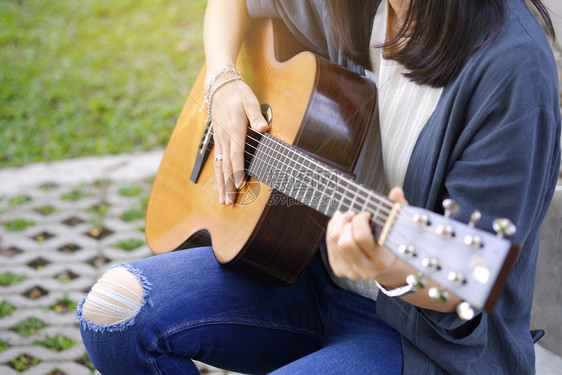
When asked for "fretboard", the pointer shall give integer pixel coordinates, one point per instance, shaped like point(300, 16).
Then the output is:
point(306, 180)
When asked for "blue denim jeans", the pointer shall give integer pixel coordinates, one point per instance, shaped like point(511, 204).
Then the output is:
point(195, 308)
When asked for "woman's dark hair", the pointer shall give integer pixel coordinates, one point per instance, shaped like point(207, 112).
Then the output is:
point(433, 40)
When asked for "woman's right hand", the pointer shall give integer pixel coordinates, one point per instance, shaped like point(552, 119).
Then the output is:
point(233, 107)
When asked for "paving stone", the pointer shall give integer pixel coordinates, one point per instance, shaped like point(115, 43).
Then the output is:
point(59, 256)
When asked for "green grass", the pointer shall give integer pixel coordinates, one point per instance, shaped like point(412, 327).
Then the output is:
point(9, 278)
point(57, 343)
point(30, 327)
point(129, 244)
point(23, 362)
point(92, 77)
point(130, 191)
point(18, 224)
point(18, 200)
point(64, 305)
point(6, 309)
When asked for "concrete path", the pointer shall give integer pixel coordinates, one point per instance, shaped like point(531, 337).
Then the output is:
point(61, 226)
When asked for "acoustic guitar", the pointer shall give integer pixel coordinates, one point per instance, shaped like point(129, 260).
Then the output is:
point(300, 174)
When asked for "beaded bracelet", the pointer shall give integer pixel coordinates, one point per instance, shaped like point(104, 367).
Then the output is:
point(209, 99)
point(211, 81)
point(208, 94)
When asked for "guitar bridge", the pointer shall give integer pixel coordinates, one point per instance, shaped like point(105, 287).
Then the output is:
point(203, 152)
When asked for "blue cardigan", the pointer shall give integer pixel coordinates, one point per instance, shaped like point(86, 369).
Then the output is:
point(492, 144)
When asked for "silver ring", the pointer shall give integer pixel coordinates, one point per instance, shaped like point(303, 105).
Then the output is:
point(218, 158)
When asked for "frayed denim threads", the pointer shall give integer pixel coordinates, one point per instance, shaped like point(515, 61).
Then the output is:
point(112, 304)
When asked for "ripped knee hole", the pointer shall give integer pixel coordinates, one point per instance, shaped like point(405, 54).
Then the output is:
point(115, 298)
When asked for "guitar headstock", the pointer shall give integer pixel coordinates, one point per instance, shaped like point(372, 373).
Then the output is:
point(464, 260)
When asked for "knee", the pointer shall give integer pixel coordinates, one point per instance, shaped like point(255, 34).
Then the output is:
point(113, 301)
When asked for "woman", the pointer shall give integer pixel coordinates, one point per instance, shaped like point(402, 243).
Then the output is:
point(469, 110)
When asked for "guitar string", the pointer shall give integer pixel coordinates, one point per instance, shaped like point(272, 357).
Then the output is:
point(397, 220)
point(378, 219)
point(399, 238)
point(324, 168)
point(379, 209)
point(406, 214)
point(445, 267)
point(305, 157)
point(367, 202)
point(377, 200)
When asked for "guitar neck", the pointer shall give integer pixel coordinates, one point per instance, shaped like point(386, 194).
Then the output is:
point(311, 182)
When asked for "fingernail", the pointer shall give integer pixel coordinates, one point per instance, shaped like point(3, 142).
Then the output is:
point(239, 176)
point(221, 199)
point(337, 213)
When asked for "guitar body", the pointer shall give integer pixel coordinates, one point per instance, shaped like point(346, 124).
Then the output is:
point(317, 106)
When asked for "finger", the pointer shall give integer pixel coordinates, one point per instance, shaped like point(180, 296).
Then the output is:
point(334, 250)
point(335, 225)
point(377, 258)
point(230, 189)
point(348, 256)
point(363, 234)
point(253, 111)
point(237, 157)
point(219, 177)
point(397, 195)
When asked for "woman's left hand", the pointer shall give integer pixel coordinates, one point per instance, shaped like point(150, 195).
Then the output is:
point(352, 249)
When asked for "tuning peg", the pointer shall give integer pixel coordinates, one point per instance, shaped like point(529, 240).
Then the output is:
point(407, 250)
point(438, 294)
point(504, 227)
point(421, 219)
point(465, 311)
point(450, 206)
point(474, 241)
point(417, 281)
point(431, 264)
point(445, 231)
point(474, 218)
point(456, 278)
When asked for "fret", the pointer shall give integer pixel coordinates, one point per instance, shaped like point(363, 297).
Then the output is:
point(297, 183)
point(352, 205)
point(323, 198)
point(309, 182)
point(376, 214)
point(255, 164)
point(276, 171)
point(286, 178)
point(292, 177)
point(330, 201)
point(272, 165)
point(321, 185)
point(366, 203)
point(302, 181)
point(316, 197)
point(261, 156)
point(341, 201)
